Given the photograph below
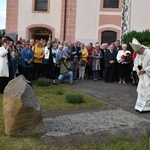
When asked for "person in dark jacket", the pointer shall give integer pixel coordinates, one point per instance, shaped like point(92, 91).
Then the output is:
point(117, 48)
point(75, 55)
point(110, 60)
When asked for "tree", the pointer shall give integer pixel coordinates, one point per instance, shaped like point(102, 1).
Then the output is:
point(142, 36)
point(2, 32)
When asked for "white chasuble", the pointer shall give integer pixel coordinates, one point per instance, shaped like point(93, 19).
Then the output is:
point(143, 89)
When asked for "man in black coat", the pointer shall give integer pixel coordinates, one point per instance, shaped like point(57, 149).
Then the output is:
point(110, 60)
point(75, 54)
point(117, 48)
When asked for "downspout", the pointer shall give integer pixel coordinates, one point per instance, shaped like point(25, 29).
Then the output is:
point(65, 15)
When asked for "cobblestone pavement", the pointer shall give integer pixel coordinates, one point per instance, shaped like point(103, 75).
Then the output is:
point(91, 122)
point(121, 119)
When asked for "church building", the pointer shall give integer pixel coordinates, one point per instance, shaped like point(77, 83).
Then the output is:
point(83, 20)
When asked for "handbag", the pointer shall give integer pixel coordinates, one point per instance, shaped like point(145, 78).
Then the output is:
point(83, 63)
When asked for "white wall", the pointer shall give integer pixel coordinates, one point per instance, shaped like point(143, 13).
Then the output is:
point(87, 20)
point(27, 18)
point(140, 15)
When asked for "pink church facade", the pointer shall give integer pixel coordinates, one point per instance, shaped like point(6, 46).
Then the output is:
point(70, 20)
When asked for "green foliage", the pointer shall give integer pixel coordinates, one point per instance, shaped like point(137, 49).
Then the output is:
point(52, 102)
point(2, 32)
point(143, 37)
point(148, 133)
point(59, 92)
point(74, 98)
point(43, 82)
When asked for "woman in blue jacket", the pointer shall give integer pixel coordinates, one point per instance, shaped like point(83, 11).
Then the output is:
point(27, 61)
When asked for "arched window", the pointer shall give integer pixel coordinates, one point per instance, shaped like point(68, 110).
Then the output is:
point(41, 5)
point(111, 4)
point(40, 33)
point(108, 37)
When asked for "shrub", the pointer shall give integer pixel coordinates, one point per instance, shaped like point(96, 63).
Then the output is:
point(142, 36)
point(148, 133)
point(59, 92)
point(43, 82)
point(74, 98)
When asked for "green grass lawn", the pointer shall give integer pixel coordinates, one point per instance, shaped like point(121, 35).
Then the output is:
point(52, 101)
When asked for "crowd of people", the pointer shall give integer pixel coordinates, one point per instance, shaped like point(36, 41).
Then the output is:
point(58, 60)
point(41, 58)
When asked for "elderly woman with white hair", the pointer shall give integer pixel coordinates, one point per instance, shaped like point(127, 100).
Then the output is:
point(124, 59)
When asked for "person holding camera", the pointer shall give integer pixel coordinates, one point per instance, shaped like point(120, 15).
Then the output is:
point(65, 70)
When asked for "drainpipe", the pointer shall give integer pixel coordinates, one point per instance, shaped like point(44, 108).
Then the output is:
point(65, 15)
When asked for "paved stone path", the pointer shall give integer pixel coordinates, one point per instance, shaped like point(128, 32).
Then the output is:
point(121, 118)
point(88, 123)
point(115, 94)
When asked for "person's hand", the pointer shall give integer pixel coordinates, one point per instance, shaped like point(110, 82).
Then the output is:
point(73, 53)
point(111, 61)
point(8, 47)
point(141, 71)
point(121, 60)
point(29, 61)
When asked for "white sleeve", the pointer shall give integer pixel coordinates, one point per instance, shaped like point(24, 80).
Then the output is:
point(118, 56)
point(136, 63)
point(3, 52)
point(13, 55)
point(46, 50)
point(147, 68)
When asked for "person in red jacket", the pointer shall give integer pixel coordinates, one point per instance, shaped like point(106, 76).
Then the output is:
point(89, 61)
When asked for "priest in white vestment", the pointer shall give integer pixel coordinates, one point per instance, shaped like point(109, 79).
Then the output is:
point(142, 67)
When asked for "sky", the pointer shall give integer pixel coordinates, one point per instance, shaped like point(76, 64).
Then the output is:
point(2, 14)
